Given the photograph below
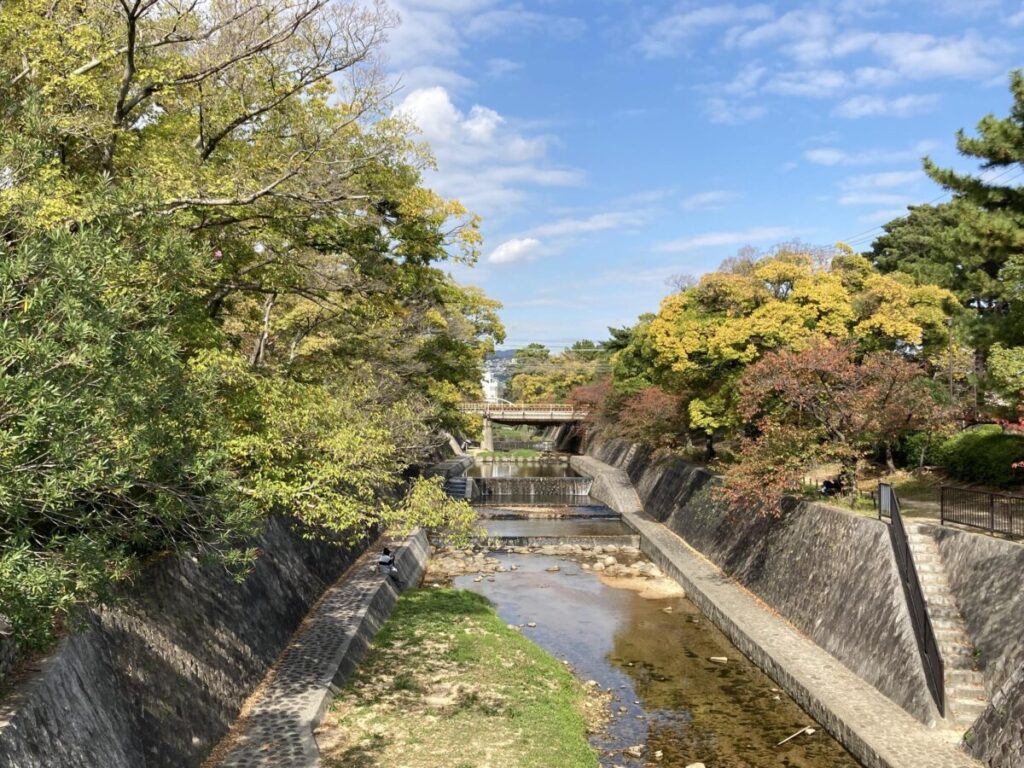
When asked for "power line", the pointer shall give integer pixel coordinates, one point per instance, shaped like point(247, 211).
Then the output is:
point(869, 234)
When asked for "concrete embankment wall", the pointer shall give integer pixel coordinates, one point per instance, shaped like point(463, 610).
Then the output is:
point(829, 573)
point(986, 578)
point(158, 678)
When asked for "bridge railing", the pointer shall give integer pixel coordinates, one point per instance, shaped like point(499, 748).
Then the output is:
point(549, 409)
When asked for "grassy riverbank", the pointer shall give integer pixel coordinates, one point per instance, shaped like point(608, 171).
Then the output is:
point(448, 685)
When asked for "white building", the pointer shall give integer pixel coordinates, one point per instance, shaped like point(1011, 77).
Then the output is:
point(491, 386)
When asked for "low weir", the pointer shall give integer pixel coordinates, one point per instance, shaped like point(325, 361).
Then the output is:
point(535, 489)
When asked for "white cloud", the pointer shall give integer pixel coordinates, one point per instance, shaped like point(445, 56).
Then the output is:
point(482, 160)
point(517, 249)
point(832, 156)
point(872, 198)
point(707, 201)
point(668, 35)
point(804, 35)
point(498, 67)
point(920, 56)
point(885, 180)
point(810, 83)
point(728, 112)
point(865, 105)
point(502, 21)
point(1017, 19)
point(746, 81)
point(599, 222)
point(716, 239)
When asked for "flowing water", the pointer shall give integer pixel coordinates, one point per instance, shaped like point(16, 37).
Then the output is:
point(652, 655)
point(521, 469)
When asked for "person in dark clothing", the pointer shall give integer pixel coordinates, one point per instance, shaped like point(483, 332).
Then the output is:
point(386, 564)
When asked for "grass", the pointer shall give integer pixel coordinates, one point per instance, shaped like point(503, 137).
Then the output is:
point(448, 685)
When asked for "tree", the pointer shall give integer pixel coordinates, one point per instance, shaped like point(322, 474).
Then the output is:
point(828, 404)
point(990, 218)
point(704, 338)
point(219, 285)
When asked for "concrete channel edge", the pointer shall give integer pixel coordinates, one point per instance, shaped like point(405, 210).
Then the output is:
point(312, 673)
point(878, 732)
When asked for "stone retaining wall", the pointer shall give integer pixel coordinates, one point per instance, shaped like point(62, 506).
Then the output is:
point(830, 573)
point(157, 679)
point(986, 578)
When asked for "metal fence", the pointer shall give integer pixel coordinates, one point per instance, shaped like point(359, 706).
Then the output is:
point(992, 512)
point(934, 669)
point(533, 445)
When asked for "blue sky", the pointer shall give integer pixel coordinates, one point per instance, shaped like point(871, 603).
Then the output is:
point(609, 145)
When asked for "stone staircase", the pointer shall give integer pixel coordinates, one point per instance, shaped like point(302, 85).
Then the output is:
point(966, 697)
point(458, 487)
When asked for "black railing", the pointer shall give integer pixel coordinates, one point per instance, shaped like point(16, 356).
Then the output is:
point(533, 445)
point(934, 670)
point(992, 512)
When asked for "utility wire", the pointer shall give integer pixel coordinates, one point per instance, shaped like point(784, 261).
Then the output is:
point(869, 234)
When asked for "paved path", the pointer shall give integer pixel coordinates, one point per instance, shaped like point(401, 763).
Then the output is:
point(877, 731)
point(278, 730)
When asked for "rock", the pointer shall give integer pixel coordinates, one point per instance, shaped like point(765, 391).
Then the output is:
point(478, 579)
point(611, 549)
point(634, 751)
point(513, 567)
point(696, 765)
point(719, 659)
point(609, 561)
point(585, 566)
point(531, 624)
point(598, 567)
point(667, 609)
point(658, 754)
point(553, 569)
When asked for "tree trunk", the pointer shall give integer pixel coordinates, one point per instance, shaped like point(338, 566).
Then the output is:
point(889, 462)
point(259, 349)
point(848, 476)
point(709, 447)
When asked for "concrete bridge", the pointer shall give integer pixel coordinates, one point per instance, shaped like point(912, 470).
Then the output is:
point(534, 414)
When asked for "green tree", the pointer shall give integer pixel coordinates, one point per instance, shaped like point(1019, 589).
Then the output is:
point(220, 288)
point(990, 219)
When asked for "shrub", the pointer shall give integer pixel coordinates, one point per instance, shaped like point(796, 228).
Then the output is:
point(984, 454)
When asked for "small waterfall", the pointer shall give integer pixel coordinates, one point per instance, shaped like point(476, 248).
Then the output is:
point(531, 489)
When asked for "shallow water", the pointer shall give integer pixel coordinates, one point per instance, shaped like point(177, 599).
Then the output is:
point(667, 694)
point(599, 526)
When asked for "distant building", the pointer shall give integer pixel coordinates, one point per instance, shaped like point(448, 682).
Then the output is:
point(491, 386)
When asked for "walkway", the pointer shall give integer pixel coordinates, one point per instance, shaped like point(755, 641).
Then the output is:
point(877, 731)
point(277, 730)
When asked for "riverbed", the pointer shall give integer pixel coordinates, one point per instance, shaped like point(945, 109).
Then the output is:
point(678, 686)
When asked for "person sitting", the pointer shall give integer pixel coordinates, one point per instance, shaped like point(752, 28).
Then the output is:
point(832, 487)
point(386, 564)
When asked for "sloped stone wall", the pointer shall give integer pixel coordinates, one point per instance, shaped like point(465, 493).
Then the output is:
point(157, 679)
point(830, 573)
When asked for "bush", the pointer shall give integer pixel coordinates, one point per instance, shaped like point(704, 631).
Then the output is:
point(984, 454)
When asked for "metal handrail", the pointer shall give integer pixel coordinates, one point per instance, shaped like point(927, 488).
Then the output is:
point(927, 646)
point(991, 512)
point(521, 408)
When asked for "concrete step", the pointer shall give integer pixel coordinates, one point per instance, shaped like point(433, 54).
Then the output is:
point(964, 676)
point(966, 693)
point(966, 711)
